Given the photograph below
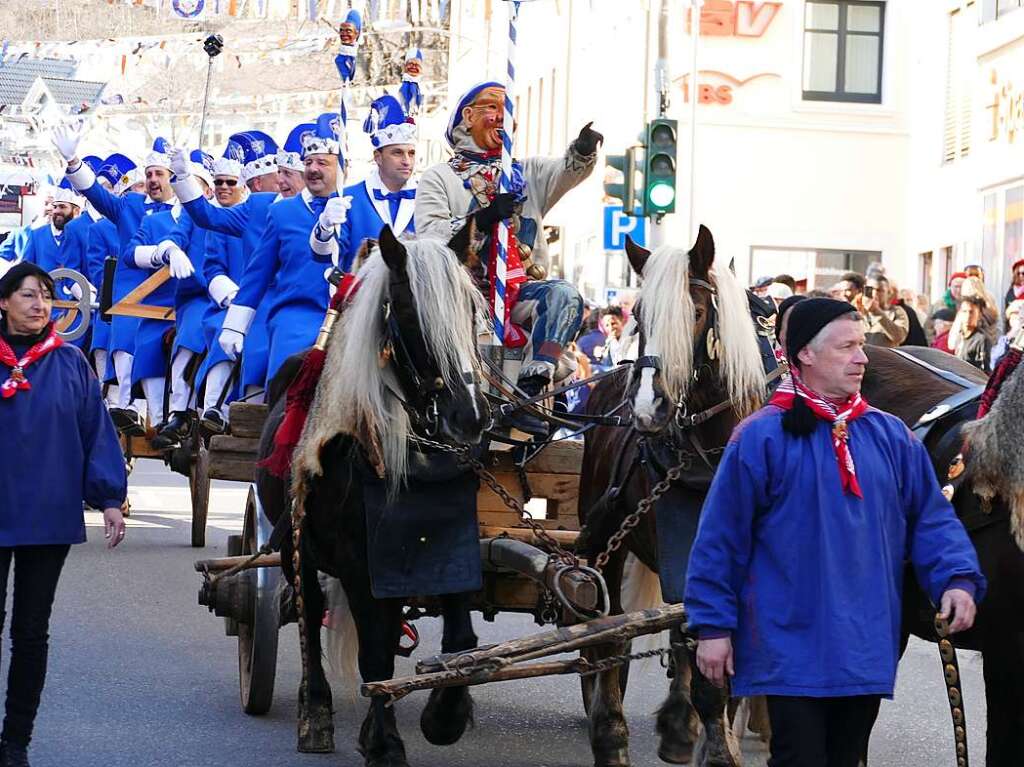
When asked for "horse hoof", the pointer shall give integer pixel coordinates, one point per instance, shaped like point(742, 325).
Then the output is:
point(316, 733)
point(675, 753)
point(618, 757)
point(449, 711)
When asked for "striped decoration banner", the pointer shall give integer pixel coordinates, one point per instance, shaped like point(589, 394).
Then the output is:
point(505, 183)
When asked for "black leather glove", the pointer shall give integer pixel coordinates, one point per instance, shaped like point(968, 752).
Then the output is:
point(501, 207)
point(588, 140)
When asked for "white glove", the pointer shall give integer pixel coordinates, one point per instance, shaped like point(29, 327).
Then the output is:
point(179, 161)
point(161, 251)
point(231, 341)
point(181, 267)
point(76, 291)
point(335, 212)
point(229, 298)
point(66, 137)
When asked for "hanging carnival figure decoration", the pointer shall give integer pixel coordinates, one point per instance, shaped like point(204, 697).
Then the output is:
point(409, 91)
point(349, 32)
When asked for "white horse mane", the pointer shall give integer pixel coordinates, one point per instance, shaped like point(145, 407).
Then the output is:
point(668, 320)
point(352, 396)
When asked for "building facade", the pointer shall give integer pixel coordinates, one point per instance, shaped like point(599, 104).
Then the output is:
point(802, 138)
point(967, 189)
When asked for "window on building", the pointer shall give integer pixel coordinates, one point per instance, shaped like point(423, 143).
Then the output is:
point(843, 45)
point(925, 285)
point(996, 9)
point(960, 68)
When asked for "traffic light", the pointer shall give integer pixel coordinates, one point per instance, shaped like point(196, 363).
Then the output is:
point(660, 167)
point(628, 191)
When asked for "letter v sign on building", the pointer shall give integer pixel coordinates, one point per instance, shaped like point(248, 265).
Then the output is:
point(617, 225)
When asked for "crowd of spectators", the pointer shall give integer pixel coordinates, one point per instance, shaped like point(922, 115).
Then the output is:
point(966, 321)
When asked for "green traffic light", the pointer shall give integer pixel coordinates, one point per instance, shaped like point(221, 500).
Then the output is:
point(662, 195)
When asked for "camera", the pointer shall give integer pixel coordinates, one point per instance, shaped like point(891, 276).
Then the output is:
point(869, 291)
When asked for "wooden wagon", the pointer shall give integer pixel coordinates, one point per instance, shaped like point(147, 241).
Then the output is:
point(250, 600)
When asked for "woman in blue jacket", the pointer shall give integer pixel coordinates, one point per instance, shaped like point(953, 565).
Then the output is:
point(52, 409)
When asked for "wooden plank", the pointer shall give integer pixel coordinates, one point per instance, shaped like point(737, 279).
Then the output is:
point(560, 458)
point(233, 467)
point(247, 419)
point(563, 537)
point(131, 305)
point(508, 518)
point(230, 443)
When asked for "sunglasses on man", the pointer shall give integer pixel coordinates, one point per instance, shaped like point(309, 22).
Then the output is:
point(225, 182)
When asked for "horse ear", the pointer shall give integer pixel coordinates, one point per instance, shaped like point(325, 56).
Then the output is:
point(702, 255)
point(637, 255)
point(392, 251)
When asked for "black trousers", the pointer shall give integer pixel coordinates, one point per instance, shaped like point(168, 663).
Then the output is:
point(36, 572)
point(820, 732)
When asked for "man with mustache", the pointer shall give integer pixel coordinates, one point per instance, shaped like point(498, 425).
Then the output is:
point(386, 197)
point(296, 306)
point(548, 311)
point(246, 220)
point(126, 212)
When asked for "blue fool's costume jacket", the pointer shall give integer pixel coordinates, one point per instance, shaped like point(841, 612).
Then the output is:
point(103, 243)
point(190, 297)
point(223, 267)
point(298, 302)
point(373, 206)
point(248, 221)
point(66, 451)
point(150, 358)
point(126, 213)
point(808, 579)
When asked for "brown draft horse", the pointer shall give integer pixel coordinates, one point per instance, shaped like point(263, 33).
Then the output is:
point(610, 489)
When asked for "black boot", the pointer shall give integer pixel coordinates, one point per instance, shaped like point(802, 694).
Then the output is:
point(213, 421)
point(525, 421)
point(13, 755)
point(127, 421)
point(172, 433)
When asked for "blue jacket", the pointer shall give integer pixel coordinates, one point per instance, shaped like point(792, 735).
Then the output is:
point(102, 243)
point(43, 251)
point(67, 451)
point(126, 213)
point(297, 305)
point(808, 579)
point(367, 217)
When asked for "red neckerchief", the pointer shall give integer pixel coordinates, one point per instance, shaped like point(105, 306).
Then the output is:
point(16, 381)
point(839, 416)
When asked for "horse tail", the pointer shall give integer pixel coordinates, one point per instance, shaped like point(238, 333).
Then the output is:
point(342, 639)
point(641, 589)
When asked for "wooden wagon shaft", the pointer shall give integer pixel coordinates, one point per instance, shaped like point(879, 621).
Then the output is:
point(525, 534)
point(614, 628)
point(226, 563)
point(619, 628)
point(130, 305)
point(578, 587)
point(506, 674)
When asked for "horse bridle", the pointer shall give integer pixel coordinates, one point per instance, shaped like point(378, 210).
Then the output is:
point(417, 391)
point(683, 418)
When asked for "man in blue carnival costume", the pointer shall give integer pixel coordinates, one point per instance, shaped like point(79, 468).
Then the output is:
point(386, 197)
point(298, 301)
point(126, 213)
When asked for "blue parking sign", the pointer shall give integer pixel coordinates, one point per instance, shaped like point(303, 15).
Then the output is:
point(617, 225)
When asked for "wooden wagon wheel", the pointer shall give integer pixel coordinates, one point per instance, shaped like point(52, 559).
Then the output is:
point(257, 641)
point(199, 485)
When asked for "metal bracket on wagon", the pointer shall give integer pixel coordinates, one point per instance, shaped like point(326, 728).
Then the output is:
point(75, 308)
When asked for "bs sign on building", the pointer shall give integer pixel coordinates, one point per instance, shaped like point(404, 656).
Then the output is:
point(617, 225)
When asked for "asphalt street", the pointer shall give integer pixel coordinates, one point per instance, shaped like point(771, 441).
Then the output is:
point(141, 675)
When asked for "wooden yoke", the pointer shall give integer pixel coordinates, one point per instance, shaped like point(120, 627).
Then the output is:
point(131, 305)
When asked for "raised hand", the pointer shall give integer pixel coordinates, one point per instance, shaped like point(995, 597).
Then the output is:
point(335, 212)
point(588, 140)
point(179, 161)
point(66, 138)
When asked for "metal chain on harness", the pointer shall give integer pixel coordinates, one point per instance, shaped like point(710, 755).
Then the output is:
point(642, 508)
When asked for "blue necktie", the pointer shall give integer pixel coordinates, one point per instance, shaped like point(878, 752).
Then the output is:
point(394, 200)
point(317, 205)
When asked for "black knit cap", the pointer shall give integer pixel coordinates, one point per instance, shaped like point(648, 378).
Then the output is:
point(10, 281)
point(806, 320)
